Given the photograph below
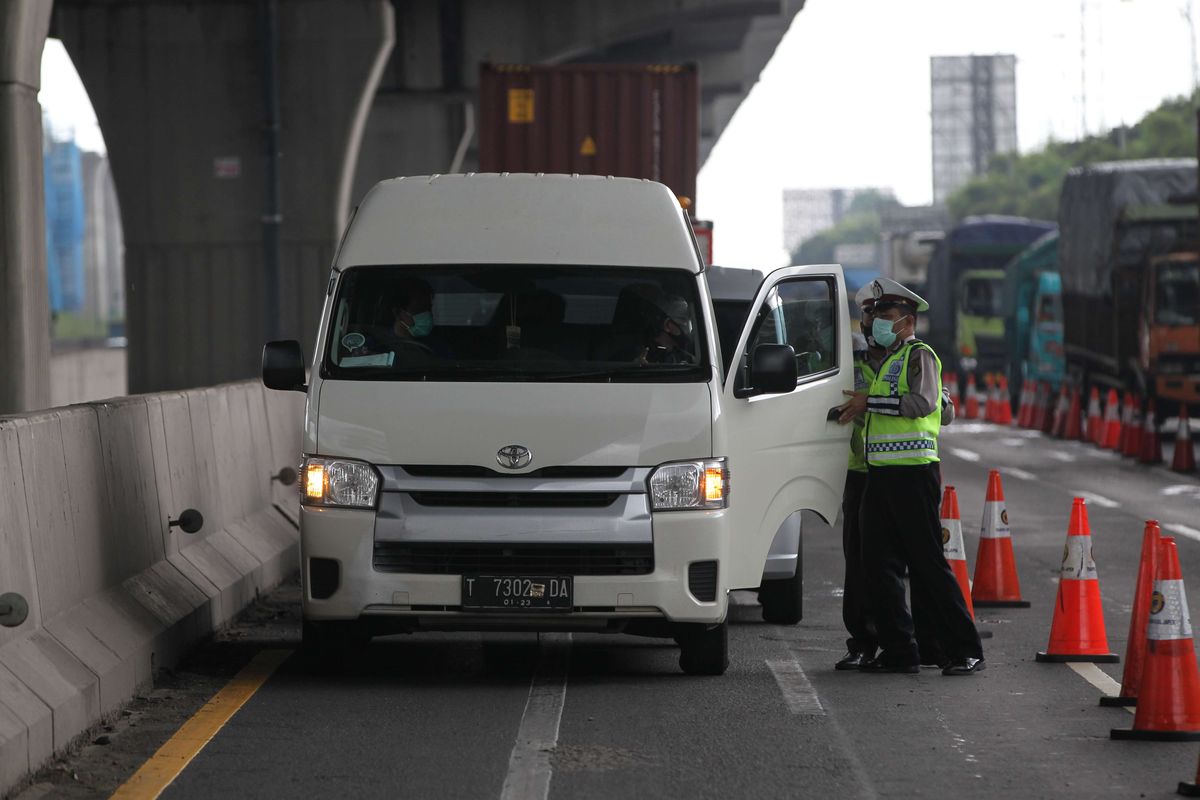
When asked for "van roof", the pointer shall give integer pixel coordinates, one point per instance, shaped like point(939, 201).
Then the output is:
point(520, 219)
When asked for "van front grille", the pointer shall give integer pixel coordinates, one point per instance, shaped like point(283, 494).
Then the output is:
point(473, 471)
point(458, 558)
point(515, 499)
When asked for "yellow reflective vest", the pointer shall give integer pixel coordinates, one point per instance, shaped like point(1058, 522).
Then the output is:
point(892, 439)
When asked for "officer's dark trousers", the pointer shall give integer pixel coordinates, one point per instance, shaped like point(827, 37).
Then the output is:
point(855, 614)
point(901, 528)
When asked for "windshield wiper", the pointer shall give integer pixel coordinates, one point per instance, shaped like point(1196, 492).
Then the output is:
point(624, 372)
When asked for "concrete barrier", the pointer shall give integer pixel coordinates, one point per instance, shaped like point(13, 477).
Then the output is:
point(115, 593)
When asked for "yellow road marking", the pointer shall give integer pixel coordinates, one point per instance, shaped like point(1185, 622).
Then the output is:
point(1100, 679)
point(173, 757)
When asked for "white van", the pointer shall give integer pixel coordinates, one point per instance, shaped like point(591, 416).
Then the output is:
point(519, 418)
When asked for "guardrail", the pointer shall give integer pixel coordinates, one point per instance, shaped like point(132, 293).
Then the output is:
point(129, 530)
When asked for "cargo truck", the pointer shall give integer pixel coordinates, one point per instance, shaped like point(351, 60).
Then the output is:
point(965, 289)
point(1130, 279)
point(1033, 323)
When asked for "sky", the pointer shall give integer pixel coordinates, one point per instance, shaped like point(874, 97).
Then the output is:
point(844, 102)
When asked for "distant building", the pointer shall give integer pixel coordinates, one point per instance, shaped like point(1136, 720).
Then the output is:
point(64, 225)
point(807, 212)
point(973, 116)
point(103, 242)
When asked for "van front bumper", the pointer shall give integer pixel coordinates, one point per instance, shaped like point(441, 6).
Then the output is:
point(434, 601)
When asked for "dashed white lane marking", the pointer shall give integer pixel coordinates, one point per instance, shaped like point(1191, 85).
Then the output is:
point(1013, 442)
point(1184, 530)
point(1177, 489)
point(1062, 455)
point(1096, 499)
point(529, 770)
point(798, 693)
point(1019, 473)
point(965, 455)
point(1100, 679)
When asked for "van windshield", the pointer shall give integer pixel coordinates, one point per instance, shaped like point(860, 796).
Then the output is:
point(503, 323)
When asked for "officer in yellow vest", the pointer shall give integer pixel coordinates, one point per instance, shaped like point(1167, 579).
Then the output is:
point(901, 526)
point(863, 642)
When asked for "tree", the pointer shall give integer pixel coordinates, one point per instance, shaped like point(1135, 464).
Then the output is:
point(1029, 185)
point(861, 225)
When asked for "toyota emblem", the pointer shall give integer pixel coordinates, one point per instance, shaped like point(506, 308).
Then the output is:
point(514, 456)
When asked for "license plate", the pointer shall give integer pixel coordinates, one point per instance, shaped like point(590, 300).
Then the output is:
point(517, 592)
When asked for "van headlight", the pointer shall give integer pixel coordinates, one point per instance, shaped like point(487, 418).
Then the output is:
point(338, 483)
point(690, 485)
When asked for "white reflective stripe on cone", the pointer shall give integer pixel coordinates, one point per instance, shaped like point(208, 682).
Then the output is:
point(1077, 564)
point(952, 540)
point(1169, 617)
point(995, 521)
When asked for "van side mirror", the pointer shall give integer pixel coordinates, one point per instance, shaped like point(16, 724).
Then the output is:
point(283, 366)
point(772, 370)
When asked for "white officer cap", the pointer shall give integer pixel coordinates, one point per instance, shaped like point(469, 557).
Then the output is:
point(886, 290)
point(864, 297)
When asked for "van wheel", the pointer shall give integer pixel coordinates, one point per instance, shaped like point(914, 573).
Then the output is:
point(704, 650)
point(783, 599)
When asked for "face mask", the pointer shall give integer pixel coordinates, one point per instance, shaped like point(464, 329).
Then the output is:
point(881, 329)
point(422, 324)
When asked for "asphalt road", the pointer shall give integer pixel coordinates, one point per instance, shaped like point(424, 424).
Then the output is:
point(498, 716)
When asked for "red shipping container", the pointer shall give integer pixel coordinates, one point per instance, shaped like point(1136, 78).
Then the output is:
point(626, 120)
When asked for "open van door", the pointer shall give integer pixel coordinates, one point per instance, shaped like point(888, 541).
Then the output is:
point(784, 453)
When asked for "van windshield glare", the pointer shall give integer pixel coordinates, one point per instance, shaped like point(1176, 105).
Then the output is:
point(516, 323)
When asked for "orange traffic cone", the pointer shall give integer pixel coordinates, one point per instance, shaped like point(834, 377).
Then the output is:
point(1132, 432)
point(1112, 422)
point(952, 544)
point(1185, 456)
point(1077, 631)
point(1126, 420)
point(955, 551)
point(1168, 708)
point(1151, 452)
point(972, 398)
point(1023, 405)
point(1003, 403)
point(950, 381)
point(989, 380)
point(1039, 406)
point(1060, 413)
point(1135, 653)
point(1074, 430)
point(996, 582)
point(1095, 423)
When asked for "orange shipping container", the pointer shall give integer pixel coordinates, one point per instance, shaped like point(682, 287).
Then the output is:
point(630, 121)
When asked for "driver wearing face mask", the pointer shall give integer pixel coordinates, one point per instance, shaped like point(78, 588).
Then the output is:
point(670, 333)
point(412, 310)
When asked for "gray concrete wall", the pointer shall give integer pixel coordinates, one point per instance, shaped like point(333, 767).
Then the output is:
point(84, 375)
point(115, 593)
point(24, 305)
point(176, 87)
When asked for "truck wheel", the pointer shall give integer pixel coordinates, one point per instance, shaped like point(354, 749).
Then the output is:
point(704, 650)
point(783, 599)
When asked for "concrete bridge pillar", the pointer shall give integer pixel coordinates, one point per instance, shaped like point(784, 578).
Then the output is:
point(181, 90)
point(24, 304)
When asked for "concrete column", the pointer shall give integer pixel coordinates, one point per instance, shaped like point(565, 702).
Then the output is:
point(24, 299)
point(177, 88)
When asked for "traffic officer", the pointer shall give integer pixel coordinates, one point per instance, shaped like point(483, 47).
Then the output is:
point(862, 644)
point(901, 524)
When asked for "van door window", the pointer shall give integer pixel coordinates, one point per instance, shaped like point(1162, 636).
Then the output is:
point(800, 312)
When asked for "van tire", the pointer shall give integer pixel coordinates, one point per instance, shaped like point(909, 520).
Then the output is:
point(782, 600)
point(704, 650)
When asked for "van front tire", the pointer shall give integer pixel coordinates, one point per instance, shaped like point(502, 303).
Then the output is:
point(704, 650)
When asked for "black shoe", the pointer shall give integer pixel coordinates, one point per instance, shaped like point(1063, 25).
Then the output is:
point(965, 666)
point(878, 666)
point(851, 660)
